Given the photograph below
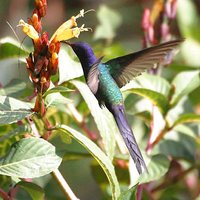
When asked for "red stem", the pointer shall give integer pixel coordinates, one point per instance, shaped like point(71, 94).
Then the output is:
point(139, 192)
point(4, 195)
point(90, 134)
point(149, 193)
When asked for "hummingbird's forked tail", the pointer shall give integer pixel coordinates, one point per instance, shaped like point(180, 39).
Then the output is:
point(127, 134)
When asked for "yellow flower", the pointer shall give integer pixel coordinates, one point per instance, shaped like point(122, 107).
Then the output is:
point(69, 29)
point(66, 31)
point(67, 34)
point(29, 30)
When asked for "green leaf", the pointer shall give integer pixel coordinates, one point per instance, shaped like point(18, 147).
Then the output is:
point(35, 191)
point(189, 51)
point(16, 131)
point(109, 20)
point(9, 134)
point(13, 110)
point(187, 118)
point(184, 83)
point(68, 67)
point(56, 99)
point(65, 138)
point(157, 168)
point(11, 48)
point(130, 194)
point(156, 98)
point(188, 24)
point(57, 89)
point(103, 118)
point(71, 155)
point(145, 116)
point(184, 129)
point(155, 83)
point(175, 112)
point(178, 145)
point(15, 180)
point(5, 181)
point(98, 154)
point(195, 97)
point(14, 89)
point(30, 158)
point(55, 115)
point(13, 69)
point(100, 177)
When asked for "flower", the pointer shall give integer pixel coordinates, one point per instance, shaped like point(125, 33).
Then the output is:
point(69, 29)
point(171, 8)
point(29, 30)
point(43, 62)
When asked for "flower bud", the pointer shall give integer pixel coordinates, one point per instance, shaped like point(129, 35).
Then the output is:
point(165, 31)
point(146, 19)
point(54, 57)
point(44, 81)
point(171, 8)
point(36, 22)
point(46, 86)
point(30, 64)
point(45, 38)
point(41, 63)
point(53, 64)
point(53, 68)
point(41, 5)
point(54, 46)
point(150, 34)
point(34, 79)
point(57, 47)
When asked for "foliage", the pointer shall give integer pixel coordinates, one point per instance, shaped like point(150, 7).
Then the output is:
point(34, 142)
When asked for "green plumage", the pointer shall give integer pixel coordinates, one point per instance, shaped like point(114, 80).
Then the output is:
point(109, 89)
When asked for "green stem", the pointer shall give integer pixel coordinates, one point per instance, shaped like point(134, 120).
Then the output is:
point(63, 185)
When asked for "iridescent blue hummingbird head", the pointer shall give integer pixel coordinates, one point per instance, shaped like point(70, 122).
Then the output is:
point(84, 53)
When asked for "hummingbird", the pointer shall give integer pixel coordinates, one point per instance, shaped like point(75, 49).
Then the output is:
point(106, 79)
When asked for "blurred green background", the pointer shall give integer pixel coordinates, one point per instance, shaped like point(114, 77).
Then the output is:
point(122, 33)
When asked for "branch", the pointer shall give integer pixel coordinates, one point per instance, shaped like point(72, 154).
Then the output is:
point(63, 185)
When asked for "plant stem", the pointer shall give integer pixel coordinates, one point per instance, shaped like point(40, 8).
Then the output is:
point(33, 127)
point(4, 195)
point(173, 180)
point(139, 192)
point(56, 173)
point(63, 185)
point(80, 122)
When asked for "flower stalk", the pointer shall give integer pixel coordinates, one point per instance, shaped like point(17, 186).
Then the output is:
point(42, 63)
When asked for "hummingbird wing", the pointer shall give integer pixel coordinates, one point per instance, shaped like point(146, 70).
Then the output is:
point(93, 76)
point(125, 68)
